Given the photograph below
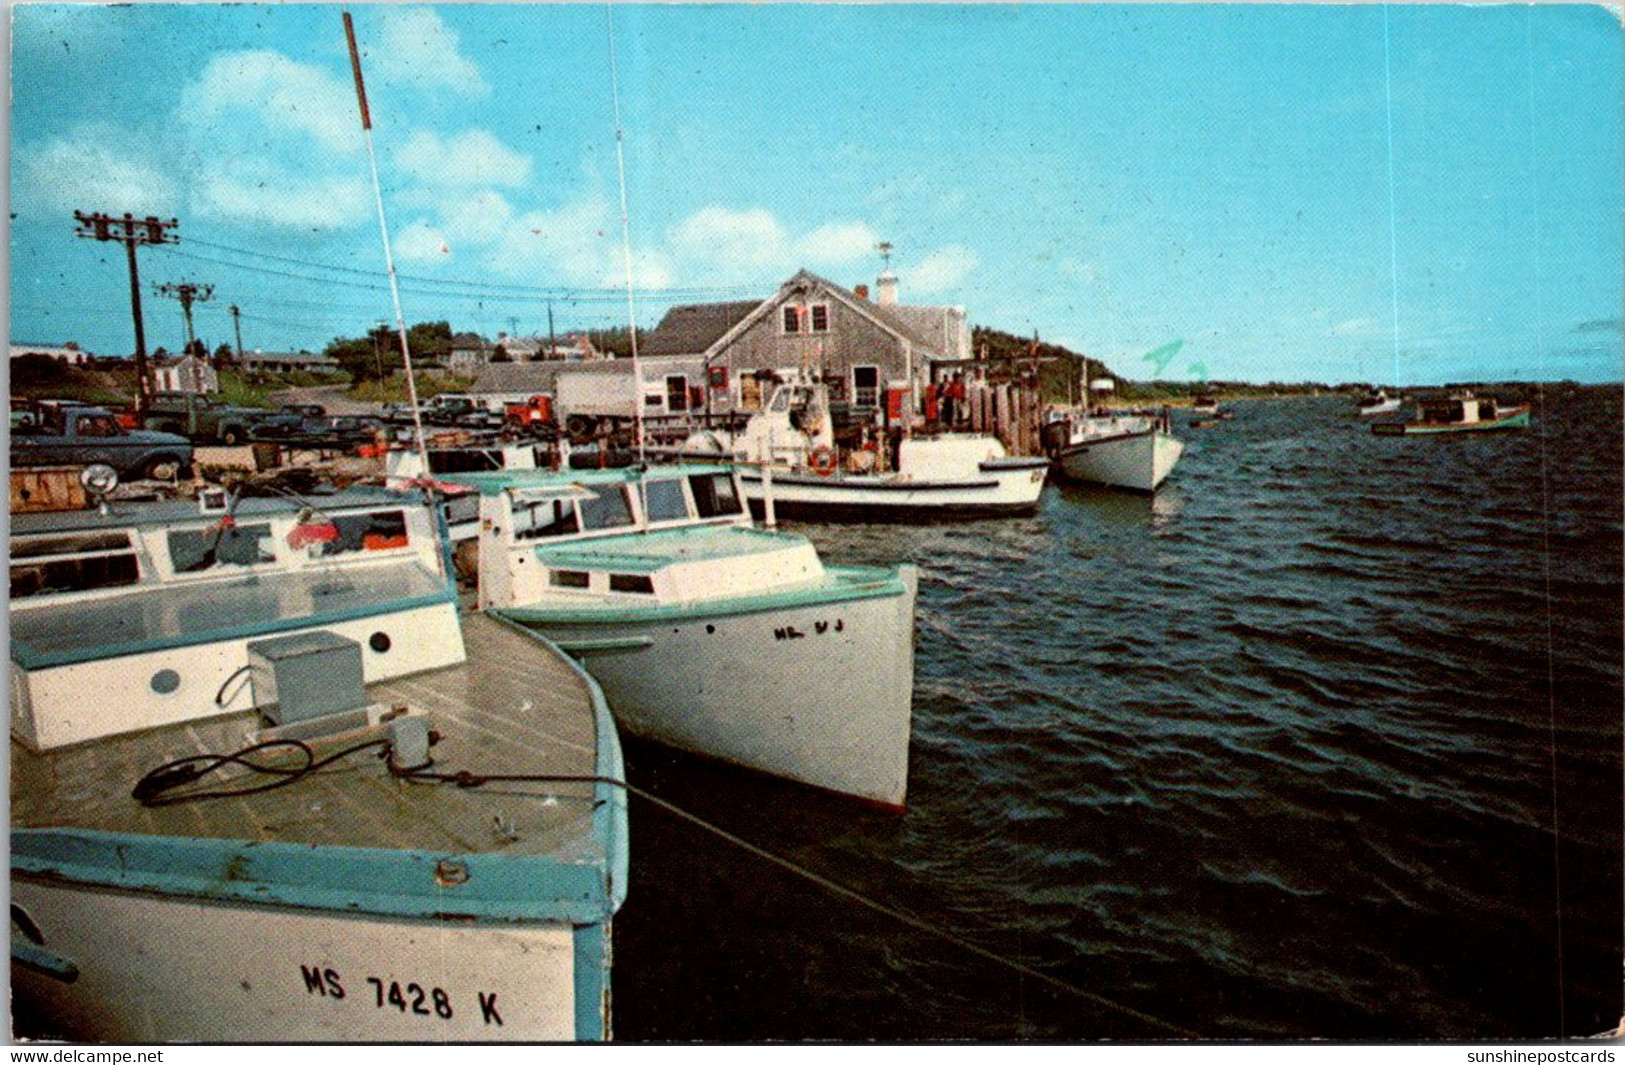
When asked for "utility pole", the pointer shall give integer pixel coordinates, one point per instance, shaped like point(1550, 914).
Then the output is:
point(237, 326)
point(552, 345)
point(188, 293)
point(130, 232)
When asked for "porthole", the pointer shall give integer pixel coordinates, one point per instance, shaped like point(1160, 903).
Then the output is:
point(380, 642)
point(166, 681)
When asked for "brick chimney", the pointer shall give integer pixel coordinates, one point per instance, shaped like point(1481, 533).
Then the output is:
point(862, 292)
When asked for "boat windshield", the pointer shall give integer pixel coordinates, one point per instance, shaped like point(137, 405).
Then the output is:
point(665, 501)
point(606, 508)
point(714, 495)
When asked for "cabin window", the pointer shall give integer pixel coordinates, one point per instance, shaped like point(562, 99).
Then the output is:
point(569, 578)
point(636, 583)
point(548, 517)
point(75, 563)
point(676, 393)
point(792, 319)
point(865, 386)
point(818, 315)
point(379, 530)
point(606, 508)
point(196, 550)
point(665, 501)
point(714, 495)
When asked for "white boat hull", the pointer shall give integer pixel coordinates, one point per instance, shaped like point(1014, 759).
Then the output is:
point(1002, 487)
point(821, 694)
point(1387, 406)
point(150, 969)
point(1139, 460)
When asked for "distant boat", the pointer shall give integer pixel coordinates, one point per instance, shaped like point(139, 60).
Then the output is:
point(1377, 401)
point(1119, 450)
point(1205, 404)
point(1459, 412)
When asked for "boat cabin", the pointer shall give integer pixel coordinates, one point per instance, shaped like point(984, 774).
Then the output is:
point(1458, 409)
point(627, 539)
point(162, 602)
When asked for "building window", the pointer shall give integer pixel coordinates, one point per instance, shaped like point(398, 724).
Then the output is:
point(676, 393)
point(792, 319)
point(865, 386)
point(819, 315)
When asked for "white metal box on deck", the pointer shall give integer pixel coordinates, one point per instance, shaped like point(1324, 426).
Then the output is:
point(305, 676)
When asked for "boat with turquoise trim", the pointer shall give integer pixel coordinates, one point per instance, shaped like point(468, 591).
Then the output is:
point(181, 870)
point(709, 634)
point(1458, 412)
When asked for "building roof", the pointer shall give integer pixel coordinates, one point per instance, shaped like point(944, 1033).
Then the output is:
point(693, 327)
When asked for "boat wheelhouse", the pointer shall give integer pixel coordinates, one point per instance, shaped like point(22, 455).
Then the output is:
point(181, 871)
point(1458, 412)
point(706, 633)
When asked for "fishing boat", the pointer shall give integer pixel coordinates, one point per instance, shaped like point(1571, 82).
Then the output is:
point(1458, 412)
point(228, 823)
point(1131, 451)
point(706, 633)
point(403, 468)
point(941, 477)
point(1205, 404)
point(1377, 401)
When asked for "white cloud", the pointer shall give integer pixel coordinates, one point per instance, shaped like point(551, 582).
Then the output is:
point(476, 218)
point(942, 269)
point(1354, 327)
point(838, 244)
point(242, 95)
point(473, 158)
point(417, 48)
point(275, 197)
point(85, 172)
point(751, 240)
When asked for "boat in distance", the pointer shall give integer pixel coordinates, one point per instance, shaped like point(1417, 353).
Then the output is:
point(946, 476)
point(1459, 412)
point(179, 869)
point(706, 633)
point(1377, 401)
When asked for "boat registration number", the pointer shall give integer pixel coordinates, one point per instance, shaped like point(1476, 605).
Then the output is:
point(423, 1000)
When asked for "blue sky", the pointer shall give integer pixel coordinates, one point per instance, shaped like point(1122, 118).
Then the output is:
point(1113, 177)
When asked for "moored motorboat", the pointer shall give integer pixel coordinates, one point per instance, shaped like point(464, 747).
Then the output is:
point(1457, 412)
point(1206, 403)
point(1119, 450)
point(403, 468)
point(939, 477)
point(181, 871)
point(708, 634)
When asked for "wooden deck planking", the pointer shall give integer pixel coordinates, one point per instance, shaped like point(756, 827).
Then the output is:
point(478, 707)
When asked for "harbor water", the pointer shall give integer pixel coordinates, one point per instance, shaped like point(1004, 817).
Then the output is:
point(1324, 741)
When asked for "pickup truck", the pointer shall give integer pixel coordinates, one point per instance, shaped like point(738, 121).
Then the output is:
point(84, 436)
point(204, 417)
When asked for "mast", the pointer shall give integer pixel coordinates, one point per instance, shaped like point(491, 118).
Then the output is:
point(626, 237)
point(383, 230)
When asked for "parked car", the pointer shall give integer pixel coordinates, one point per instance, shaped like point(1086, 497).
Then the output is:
point(341, 430)
point(85, 436)
point(201, 417)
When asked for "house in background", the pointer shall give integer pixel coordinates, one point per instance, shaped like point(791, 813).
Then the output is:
point(814, 327)
point(257, 361)
point(184, 373)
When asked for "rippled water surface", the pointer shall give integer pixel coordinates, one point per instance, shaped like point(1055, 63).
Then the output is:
point(1323, 740)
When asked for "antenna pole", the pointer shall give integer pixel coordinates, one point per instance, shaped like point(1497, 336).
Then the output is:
point(383, 230)
point(626, 236)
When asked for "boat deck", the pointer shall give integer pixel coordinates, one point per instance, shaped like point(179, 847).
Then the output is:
point(514, 707)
